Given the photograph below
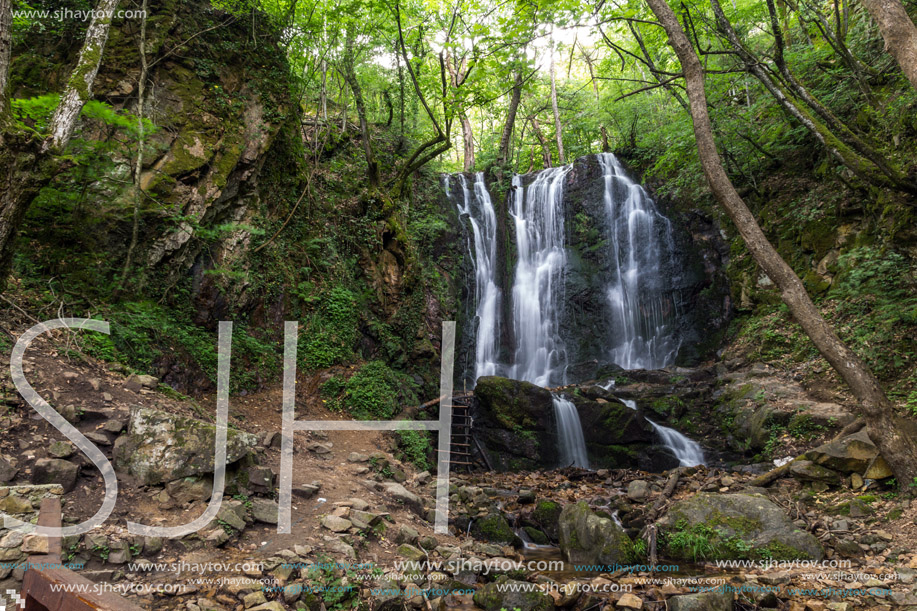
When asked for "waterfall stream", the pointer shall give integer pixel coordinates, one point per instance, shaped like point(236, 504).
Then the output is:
point(479, 208)
point(641, 306)
point(642, 310)
point(538, 214)
point(688, 452)
point(570, 434)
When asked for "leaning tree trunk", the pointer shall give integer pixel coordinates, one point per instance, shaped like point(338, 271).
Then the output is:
point(545, 149)
point(350, 76)
point(899, 450)
point(899, 32)
point(26, 163)
point(506, 137)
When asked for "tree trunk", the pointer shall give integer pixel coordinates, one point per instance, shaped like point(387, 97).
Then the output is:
point(866, 169)
point(27, 163)
point(503, 155)
point(468, 140)
point(138, 162)
point(350, 75)
point(6, 45)
point(79, 86)
point(899, 450)
point(899, 33)
point(558, 128)
point(545, 149)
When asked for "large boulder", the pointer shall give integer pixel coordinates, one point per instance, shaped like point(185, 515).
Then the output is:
point(514, 422)
point(851, 454)
point(585, 538)
point(735, 526)
point(160, 447)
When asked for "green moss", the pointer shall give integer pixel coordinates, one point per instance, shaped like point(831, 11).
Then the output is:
point(547, 512)
point(537, 537)
point(493, 528)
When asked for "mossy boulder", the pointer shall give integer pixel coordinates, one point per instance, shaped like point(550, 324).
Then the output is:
point(514, 422)
point(586, 538)
point(740, 526)
point(160, 447)
point(546, 516)
point(493, 528)
point(515, 595)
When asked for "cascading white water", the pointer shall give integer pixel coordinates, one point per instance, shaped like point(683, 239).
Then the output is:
point(537, 211)
point(570, 434)
point(642, 308)
point(688, 452)
point(479, 208)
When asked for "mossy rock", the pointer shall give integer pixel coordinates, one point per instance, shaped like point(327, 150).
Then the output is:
point(742, 526)
point(515, 595)
point(546, 515)
point(586, 538)
point(493, 528)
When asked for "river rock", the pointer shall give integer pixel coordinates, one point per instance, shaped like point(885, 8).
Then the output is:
point(585, 538)
point(705, 601)
point(161, 447)
point(496, 596)
point(190, 489)
point(493, 528)
point(7, 471)
point(760, 524)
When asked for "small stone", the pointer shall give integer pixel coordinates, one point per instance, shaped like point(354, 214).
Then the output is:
point(319, 448)
point(302, 550)
point(637, 490)
point(357, 457)
point(856, 481)
point(526, 497)
point(100, 439)
point(61, 449)
point(406, 534)
point(35, 544)
point(264, 511)
point(254, 599)
point(838, 606)
point(629, 601)
point(113, 426)
point(336, 524)
point(7, 471)
point(55, 471)
point(306, 491)
point(410, 552)
point(217, 537)
point(107, 398)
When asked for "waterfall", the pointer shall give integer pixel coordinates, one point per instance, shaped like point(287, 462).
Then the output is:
point(570, 434)
point(478, 207)
point(641, 305)
point(688, 452)
point(538, 215)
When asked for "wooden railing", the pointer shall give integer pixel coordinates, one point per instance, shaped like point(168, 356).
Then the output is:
point(48, 586)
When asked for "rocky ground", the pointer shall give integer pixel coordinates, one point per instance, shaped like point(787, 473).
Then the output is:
point(356, 505)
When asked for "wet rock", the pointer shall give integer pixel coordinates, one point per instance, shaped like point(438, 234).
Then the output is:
point(161, 447)
point(585, 538)
point(55, 471)
point(761, 525)
point(514, 422)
